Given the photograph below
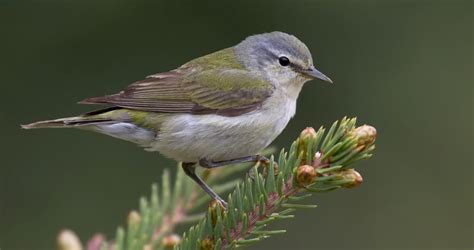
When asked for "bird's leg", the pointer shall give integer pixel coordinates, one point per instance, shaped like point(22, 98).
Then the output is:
point(190, 170)
point(254, 158)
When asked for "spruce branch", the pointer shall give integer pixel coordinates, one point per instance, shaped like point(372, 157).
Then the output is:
point(316, 162)
point(153, 225)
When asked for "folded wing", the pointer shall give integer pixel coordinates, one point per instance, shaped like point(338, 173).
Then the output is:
point(227, 92)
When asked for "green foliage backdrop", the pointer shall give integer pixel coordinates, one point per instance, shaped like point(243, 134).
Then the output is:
point(403, 66)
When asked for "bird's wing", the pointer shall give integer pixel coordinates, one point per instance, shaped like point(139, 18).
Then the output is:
point(227, 92)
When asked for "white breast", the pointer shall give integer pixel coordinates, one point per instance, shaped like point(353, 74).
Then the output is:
point(189, 138)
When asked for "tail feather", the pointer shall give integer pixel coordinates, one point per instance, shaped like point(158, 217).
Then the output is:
point(67, 122)
point(111, 121)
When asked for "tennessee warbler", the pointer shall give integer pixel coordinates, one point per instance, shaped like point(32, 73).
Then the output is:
point(215, 110)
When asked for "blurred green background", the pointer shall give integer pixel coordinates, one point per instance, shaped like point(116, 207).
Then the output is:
point(405, 67)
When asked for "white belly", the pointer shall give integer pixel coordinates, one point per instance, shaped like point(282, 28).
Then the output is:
point(189, 138)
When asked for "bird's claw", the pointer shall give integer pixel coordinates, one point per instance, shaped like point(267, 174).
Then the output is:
point(223, 204)
point(251, 173)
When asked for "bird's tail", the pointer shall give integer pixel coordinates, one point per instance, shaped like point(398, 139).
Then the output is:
point(92, 118)
point(111, 121)
point(69, 122)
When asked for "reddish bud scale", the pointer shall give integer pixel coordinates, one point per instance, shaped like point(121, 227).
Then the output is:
point(213, 207)
point(68, 240)
point(306, 135)
point(353, 176)
point(170, 241)
point(365, 136)
point(305, 175)
point(207, 244)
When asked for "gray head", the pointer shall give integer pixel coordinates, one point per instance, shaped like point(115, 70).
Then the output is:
point(281, 57)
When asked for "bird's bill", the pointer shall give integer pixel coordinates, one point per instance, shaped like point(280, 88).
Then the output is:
point(312, 72)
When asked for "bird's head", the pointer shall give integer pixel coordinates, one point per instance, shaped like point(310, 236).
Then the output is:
point(279, 57)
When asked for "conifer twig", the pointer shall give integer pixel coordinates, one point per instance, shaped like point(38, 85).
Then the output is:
point(316, 162)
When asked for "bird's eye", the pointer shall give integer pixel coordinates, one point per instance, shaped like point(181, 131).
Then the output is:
point(284, 61)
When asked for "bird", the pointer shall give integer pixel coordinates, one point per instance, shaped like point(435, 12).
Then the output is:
point(218, 109)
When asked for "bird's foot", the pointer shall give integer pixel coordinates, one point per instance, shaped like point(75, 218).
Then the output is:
point(262, 160)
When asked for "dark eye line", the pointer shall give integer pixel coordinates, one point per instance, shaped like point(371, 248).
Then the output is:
point(292, 64)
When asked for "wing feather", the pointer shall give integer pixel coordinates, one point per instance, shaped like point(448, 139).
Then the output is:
point(226, 92)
